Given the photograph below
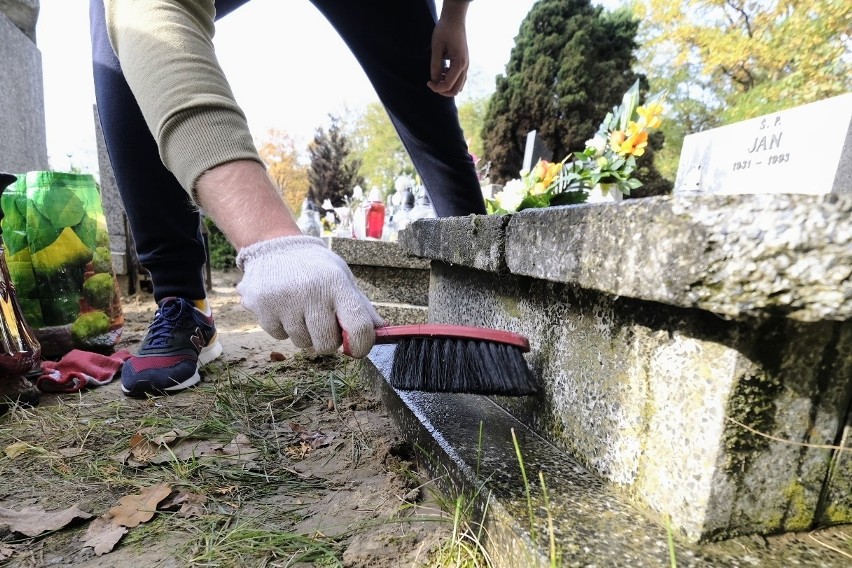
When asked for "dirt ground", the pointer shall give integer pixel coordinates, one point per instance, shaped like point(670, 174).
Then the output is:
point(275, 459)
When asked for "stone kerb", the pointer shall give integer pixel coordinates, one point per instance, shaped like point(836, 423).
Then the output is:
point(395, 281)
point(476, 241)
point(736, 256)
point(666, 332)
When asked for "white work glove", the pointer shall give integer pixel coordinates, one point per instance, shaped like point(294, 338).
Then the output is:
point(298, 288)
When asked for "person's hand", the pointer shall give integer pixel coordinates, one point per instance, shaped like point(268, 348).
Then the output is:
point(449, 44)
point(298, 288)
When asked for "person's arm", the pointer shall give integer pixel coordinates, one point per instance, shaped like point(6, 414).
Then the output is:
point(449, 43)
point(295, 285)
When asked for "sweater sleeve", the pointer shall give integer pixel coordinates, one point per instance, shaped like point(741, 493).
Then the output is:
point(166, 52)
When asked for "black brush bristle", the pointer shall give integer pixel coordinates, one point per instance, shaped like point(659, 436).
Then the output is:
point(461, 366)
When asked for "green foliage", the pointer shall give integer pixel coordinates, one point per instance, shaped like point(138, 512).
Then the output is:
point(723, 62)
point(570, 65)
point(333, 171)
point(223, 256)
point(378, 148)
point(471, 118)
point(278, 152)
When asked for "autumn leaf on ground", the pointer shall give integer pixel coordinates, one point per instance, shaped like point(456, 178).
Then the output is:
point(133, 510)
point(32, 521)
point(6, 551)
point(18, 448)
point(70, 452)
point(141, 448)
point(169, 437)
point(240, 447)
point(315, 439)
point(191, 504)
point(103, 534)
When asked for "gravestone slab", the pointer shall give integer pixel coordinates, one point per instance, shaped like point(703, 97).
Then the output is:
point(693, 351)
point(22, 13)
point(535, 150)
point(23, 145)
point(113, 208)
point(805, 149)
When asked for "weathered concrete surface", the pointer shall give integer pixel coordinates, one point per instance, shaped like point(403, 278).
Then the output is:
point(645, 396)
point(837, 501)
point(736, 255)
point(23, 136)
point(22, 13)
point(466, 443)
point(395, 281)
point(401, 314)
point(116, 219)
point(477, 241)
point(376, 253)
point(665, 333)
point(395, 285)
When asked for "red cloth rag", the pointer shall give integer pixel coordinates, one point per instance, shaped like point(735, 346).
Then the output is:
point(78, 369)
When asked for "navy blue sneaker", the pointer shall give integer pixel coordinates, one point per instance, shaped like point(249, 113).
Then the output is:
point(181, 339)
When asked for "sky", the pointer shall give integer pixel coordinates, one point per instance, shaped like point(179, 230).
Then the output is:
point(287, 67)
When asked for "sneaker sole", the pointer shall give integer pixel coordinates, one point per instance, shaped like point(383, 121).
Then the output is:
point(209, 353)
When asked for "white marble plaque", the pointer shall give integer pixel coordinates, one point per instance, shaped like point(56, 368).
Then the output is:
point(805, 149)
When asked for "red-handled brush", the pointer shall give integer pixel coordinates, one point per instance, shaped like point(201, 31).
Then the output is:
point(456, 358)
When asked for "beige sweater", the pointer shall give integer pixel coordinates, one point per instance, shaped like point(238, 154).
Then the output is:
point(166, 52)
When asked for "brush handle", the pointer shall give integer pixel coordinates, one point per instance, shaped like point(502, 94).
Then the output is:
point(393, 333)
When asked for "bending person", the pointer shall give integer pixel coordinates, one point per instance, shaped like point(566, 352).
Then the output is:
point(177, 140)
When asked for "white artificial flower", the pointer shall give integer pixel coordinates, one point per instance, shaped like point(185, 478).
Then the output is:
point(511, 196)
point(598, 143)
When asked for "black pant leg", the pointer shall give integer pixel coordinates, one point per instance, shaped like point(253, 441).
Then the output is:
point(391, 39)
point(164, 223)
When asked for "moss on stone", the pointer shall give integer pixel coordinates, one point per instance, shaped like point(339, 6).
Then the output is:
point(837, 513)
point(752, 403)
point(800, 513)
point(510, 305)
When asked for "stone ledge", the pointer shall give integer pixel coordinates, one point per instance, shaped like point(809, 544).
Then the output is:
point(594, 525)
point(375, 253)
point(477, 241)
point(401, 314)
point(737, 256)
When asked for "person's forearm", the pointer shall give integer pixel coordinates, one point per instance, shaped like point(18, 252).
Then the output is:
point(244, 203)
point(166, 52)
point(454, 10)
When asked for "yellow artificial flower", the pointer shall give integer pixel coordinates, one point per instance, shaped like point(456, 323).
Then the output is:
point(538, 188)
point(651, 114)
point(616, 139)
point(635, 144)
point(543, 175)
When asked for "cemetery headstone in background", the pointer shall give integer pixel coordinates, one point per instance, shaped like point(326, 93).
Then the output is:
point(535, 150)
point(805, 149)
point(23, 137)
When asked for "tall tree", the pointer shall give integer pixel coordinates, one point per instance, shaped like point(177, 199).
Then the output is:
point(333, 171)
point(725, 61)
point(279, 154)
point(383, 157)
point(471, 118)
point(570, 65)
point(378, 147)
